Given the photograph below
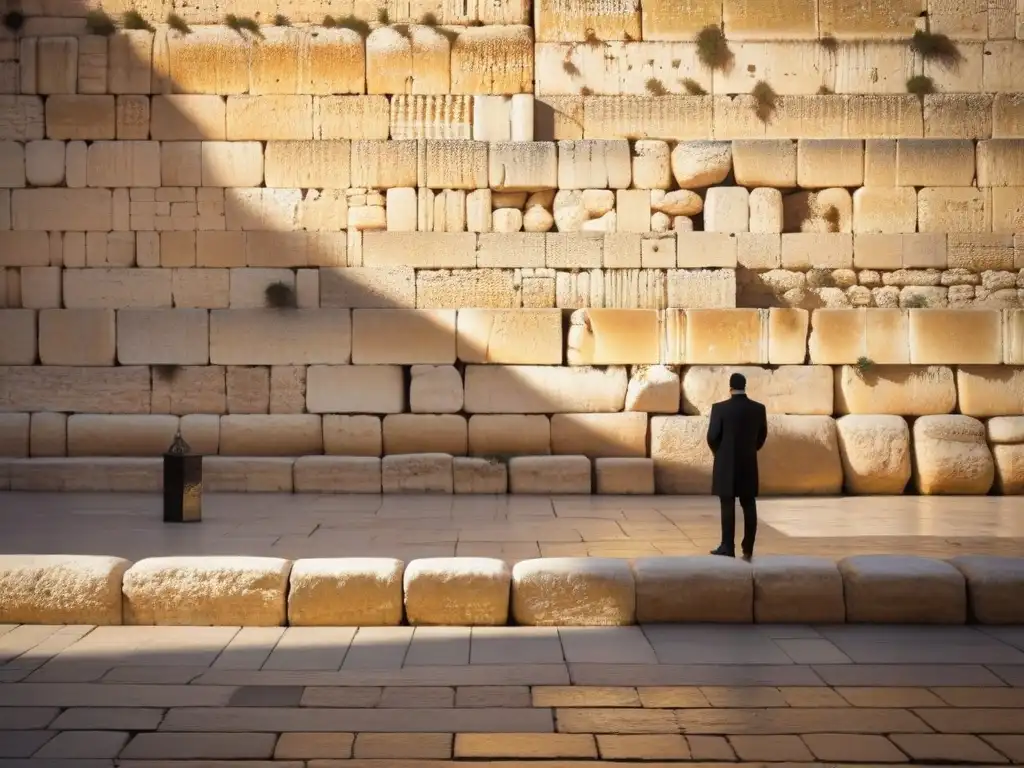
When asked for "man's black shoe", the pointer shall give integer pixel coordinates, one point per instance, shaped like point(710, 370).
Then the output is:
point(723, 552)
point(748, 556)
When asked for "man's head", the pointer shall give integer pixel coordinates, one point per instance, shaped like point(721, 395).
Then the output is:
point(738, 383)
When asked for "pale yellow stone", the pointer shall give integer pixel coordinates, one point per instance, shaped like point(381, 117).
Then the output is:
point(496, 59)
point(409, 433)
point(797, 590)
point(614, 337)
point(884, 210)
point(271, 435)
point(549, 474)
point(801, 456)
point(624, 476)
point(899, 589)
point(190, 117)
point(211, 591)
point(509, 435)
point(457, 591)
point(792, 389)
point(337, 474)
point(352, 435)
point(347, 592)
point(823, 163)
point(616, 435)
point(355, 389)
point(573, 591)
point(993, 583)
point(116, 435)
point(726, 336)
point(474, 475)
point(895, 389)
point(61, 589)
point(544, 389)
point(696, 589)
point(844, 336)
point(228, 474)
point(876, 454)
point(951, 337)
point(518, 337)
point(84, 337)
point(307, 163)
point(990, 390)
point(403, 336)
point(273, 337)
point(682, 458)
point(417, 473)
point(951, 456)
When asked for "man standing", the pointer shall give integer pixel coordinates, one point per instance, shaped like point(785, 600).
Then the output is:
point(738, 429)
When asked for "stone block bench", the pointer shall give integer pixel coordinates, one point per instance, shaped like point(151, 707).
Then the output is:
point(467, 591)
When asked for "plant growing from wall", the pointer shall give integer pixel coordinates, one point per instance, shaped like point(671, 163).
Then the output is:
point(829, 43)
point(765, 101)
point(280, 295)
point(831, 218)
point(936, 47)
point(693, 87)
point(475, 23)
point(428, 20)
point(175, 22)
point(280, 20)
point(383, 17)
point(824, 90)
point(591, 39)
point(167, 373)
point(655, 87)
point(864, 365)
point(403, 30)
point(134, 20)
point(14, 21)
point(585, 91)
point(240, 24)
point(570, 69)
point(329, 22)
point(914, 301)
point(357, 25)
point(99, 23)
point(920, 85)
point(713, 49)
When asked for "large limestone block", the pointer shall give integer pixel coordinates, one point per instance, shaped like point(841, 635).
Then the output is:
point(61, 389)
point(188, 118)
point(403, 336)
point(701, 589)
point(510, 336)
point(954, 209)
point(163, 337)
point(694, 289)
point(901, 589)
point(727, 209)
point(345, 592)
point(573, 591)
point(61, 589)
point(794, 389)
point(618, 20)
point(823, 163)
point(84, 337)
point(355, 389)
point(765, 163)
point(594, 164)
point(801, 457)
point(455, 164)
point(425, 433)
point(994, 587)
point(123, 164)
point(619, 477)
point(884, 210)
point(934, 163)
point(271, 435)
point(1009, 460)
point(207, 591)
point(843, 336)
point(477, 475)
point(76, 210)
point(953, 337)
point(899, 390)
point(280, 337)
point(337, 474)
point(798, 590)
point(306, 164)
point(14, 435)
point(117, 288)
point(726, 336)
point(697, 164)
point(431, 116)
point(544, 389)
point(951, 456)
point(509, 435)
point(599, 434)
point(549, 474)
point(653, 389)
point(682, 458)
point(435, 389)
point(384, 164)
point(614, 337)
point(457, 591)
point(1001, 162)
point(1005, 430)
point(417, 473)
point(230, 474)
point(990, 390)
point(493, 59)
point(787, 335)
point(419, 249)
point(20, 332)
point(876, 454)
point(523, 166)
point(82, 118)
point(351, 117)
point(211, 59)
point(107, 475)
point(91, 434)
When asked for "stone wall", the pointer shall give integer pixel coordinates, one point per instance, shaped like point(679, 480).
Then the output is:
point(507, 230)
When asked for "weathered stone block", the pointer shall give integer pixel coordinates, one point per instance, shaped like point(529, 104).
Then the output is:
point(102, 435)
point(229, 474)
point(48, 435)
point(509, 435)
point(475, 475)
point(107, 475)
point(884, 210)
point(875, 451)
point(900, 589)
point(844, 336)
point(523, 336)
point(653, 389)
point(898, 390)
point(702, 589)
point(793, 389)
point(275, 337)
point(417, 473)
point(188, 118)
point(61, 589)
point(951, 337)
point(14, 435)
point(801, 456)
point(954, 209)
point(271, 435)
point(84, 337)
point(207, 591)
point(951, 456)
point(84, 118)
point(77, 389)
point(163, 337)
point(614, 337)
point(990, 390)
point(337, 474)
point(624, 476)
point(573, 591)
point(435, 389)
point(765, 163)
point(352, 435)
point(823, 163)
point(75, 210)
point(726, 336)
point(549, 474)
point(993, 584)
point(599, 434)
point(345, 592)
point(403, 336)
point(682, 458)
point(409, 433)
point(355, 389)
point(457, 591)
point(544, 389)
point(798, 590)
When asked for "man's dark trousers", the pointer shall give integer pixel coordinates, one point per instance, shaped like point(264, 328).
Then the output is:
point(749, 506)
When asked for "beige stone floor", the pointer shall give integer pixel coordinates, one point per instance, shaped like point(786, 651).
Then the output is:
point(404, 697)
point(511, 527)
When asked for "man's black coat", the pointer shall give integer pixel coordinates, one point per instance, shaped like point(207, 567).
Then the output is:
point(738, 429)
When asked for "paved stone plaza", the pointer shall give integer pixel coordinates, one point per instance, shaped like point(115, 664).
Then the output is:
point(510, 527)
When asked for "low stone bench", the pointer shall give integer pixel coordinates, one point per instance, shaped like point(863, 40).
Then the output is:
point(995, 587)
point(247, 474)
point(109, 474)
point(207, 591)
point(902, 589)
point(549, 474)
point(417, 473)
point(573, 591)
point(61, 589)
point(475, 475)
point(701, 589)
point(345, 592)
point(624, 476)
point(797, 590)
point(337, 474)
point(457, 591)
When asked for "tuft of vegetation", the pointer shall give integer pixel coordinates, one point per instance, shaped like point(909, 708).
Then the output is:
point(14, 21)
point(134, 20)
point(357, 25)
point(765, 101)
point(383, 17)
point(936, 47)
point(864, 364)
point(591, 39)
point(693, 87)
point(914, 301)
point(585, 91)
point(713, 49)
point(920, 85)
point(475, 23)
point(329, 22)
point(829, 43)
point(676, 63)
point(280, 20)
point(655, 87)
point(403, 30)
point(280, 295)
point(570, 69)
point(242, 24)
point(831, 218)
point(428, 20)
point(167, 373)
point(99, 23)
point(178, 24)
point(825, 91)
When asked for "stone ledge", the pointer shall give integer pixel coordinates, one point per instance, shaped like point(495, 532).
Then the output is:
point(461, 591)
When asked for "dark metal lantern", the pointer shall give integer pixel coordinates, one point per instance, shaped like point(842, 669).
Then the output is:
point(183, 483)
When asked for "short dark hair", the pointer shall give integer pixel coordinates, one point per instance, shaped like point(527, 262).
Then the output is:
point(738, 382)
